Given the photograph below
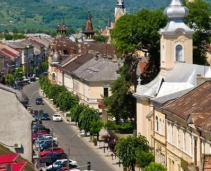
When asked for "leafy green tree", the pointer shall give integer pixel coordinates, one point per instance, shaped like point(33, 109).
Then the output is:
point(44, 65)
point(126, 149)
point(9, 78)
point(143, 158)
point(199, 19)
point(75, 112)
point(139, 31)
point(122, 104)
point(96, 126)
point(155, 166)
point(19, 73)
point(66, 100)
point(100, 38)
point(87, 116)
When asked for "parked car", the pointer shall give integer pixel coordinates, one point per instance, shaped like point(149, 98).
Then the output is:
point(52, 157)
point(57, 117)
point(47, 145)
point(40, 128)
point(62, 163)
point(39, 101)
point(52, 150)
point(44, 116)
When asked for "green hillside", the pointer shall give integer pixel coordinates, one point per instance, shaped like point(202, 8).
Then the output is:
point(45, 14)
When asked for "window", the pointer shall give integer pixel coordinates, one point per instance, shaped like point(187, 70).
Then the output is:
point(179, 53)
point(53, 76)
point(157, 123)
point(105, 91)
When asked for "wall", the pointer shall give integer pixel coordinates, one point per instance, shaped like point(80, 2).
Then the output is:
point(15, 124)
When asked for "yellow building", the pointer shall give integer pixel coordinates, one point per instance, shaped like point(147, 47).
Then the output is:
point(177, 76)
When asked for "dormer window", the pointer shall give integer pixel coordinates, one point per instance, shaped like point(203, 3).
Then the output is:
point(179, 53)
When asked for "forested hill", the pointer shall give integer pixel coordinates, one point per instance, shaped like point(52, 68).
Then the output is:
point(45, 14)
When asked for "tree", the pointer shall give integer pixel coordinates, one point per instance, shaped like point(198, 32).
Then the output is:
point(75, 112)
point(126, 149)
point(96, 126)
point(143, 158)
point(199, 19)
point(87, 116)
point(139, 31)
point(155, 166)
point(100, 38)
point(9, 78)
point(44, 65)
point(66, 100)
point(19, 73)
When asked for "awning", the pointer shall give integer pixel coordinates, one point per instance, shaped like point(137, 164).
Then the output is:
point(18, 166)
point(8, 158)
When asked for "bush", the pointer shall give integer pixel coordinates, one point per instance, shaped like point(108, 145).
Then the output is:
point(110, 125)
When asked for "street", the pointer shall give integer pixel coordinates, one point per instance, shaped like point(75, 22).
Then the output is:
point(68, 138)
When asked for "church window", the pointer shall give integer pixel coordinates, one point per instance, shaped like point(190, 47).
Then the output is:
point(179, 53)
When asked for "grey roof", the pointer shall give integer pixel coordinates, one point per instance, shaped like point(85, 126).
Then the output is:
point(98, 70)
point(21, 96)
point(182, 76)
point(163, 99)
point(17, 45)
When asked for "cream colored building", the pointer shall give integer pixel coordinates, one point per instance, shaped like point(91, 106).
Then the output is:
point(177, 75)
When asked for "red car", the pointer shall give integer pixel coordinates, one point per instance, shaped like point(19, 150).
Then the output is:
point(52, 150)
point(35, 136)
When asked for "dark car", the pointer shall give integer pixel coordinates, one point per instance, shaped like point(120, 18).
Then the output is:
point(44, 116)
point(52, 157)
point(39, 101)
point(47, 145)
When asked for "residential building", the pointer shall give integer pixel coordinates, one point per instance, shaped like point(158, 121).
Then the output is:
point(13, 119)
point(177, 76)
point(188, 129)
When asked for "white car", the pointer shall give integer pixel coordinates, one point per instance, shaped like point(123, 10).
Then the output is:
point(57, 117)
point(63, 162)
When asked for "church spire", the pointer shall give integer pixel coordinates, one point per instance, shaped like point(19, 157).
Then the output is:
point(176, 38)
point(89, 31)
point(176, 12)
point(119, 9)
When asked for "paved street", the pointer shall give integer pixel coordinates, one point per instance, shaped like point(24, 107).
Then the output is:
point(75, 147)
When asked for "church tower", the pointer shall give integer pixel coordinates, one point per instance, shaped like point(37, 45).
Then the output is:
point(88, 31)
point(176, 44)
point(119, 9)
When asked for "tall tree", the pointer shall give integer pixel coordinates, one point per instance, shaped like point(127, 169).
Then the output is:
point(122, 104)
point(139, 31)
point(126, 149)
point(199, 19)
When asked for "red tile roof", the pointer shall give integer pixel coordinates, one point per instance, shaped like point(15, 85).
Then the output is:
point(8, 158)
point(8, 53)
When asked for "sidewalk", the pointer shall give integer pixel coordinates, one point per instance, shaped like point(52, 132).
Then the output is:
point(101, 147)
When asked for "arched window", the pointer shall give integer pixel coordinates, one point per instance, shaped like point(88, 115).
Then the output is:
point(53, 76)
point(179, 53)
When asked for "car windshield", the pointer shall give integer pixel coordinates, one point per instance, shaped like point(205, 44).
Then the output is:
point(56, 115)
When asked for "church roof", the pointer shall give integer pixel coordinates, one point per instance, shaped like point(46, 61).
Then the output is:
point(176, 12)
point(89, 27)
point(182, 76)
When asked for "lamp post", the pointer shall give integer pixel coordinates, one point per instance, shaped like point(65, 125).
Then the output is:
point(68, 162)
